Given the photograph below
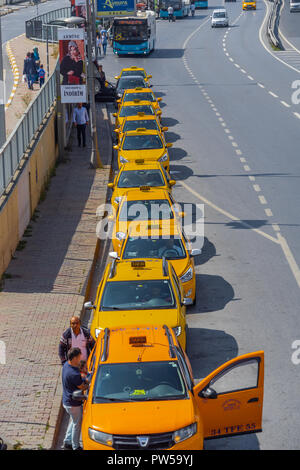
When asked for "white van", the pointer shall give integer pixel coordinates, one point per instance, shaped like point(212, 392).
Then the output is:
point(219, 18)
point(294, 6)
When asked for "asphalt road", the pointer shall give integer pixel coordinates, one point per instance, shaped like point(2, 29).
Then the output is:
point(236, 149)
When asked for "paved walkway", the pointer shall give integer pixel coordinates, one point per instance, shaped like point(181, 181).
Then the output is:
point(44, 286)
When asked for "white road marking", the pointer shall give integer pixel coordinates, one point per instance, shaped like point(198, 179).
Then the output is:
point(262, 200)
point(273, 94)
point(268, 212)
point(256, 188)
point(285, 104)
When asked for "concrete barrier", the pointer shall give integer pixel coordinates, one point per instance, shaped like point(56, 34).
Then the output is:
point(23, 195)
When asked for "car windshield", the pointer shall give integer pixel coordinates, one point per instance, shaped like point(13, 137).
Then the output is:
point(154, 247)
point(143, 96)
point(131, 82)
point(130, 73)
point(133, 110)
point(219, 15)
point(139, 381)
point(149, 124)
point(138, 295)
point(137, 178)
point(152, 209)
point(142, 142)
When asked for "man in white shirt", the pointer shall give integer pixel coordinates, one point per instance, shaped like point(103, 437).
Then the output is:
point(170, 13)
point(80, 120)
point(76, 336)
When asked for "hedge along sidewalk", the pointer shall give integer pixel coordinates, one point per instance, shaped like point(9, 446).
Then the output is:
point(43, 287)
point(22, 96)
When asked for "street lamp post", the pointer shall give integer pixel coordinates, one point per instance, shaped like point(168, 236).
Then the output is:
point(95, 155)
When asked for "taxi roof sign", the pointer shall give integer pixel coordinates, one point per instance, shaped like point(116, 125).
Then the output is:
point(145, 188)
point(137, 340)
point(138, 264)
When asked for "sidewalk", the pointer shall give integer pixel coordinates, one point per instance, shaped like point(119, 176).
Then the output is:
point(23, 96)
point(44, 286)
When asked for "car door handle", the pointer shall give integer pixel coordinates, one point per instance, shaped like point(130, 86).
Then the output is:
point(252, 400)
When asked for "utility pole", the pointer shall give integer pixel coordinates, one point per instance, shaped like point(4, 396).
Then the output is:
point(95, 155)
point(2, 97)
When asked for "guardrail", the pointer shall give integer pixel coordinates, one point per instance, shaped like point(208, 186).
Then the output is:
point(17, 143)
point(38, 28)
point(272, 27)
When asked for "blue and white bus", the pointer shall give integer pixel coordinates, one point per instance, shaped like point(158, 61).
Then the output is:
point(135, 35)
point(181, 8)
point(201, 3)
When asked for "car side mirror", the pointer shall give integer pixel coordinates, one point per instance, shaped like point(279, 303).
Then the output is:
point(116, 147)
point(118, 101)
point(115, 114)
point(158, 99)
point(110, 185)
point(159, 112)
point(114, 255)
point(168, 145)
point(78, 395)
point(116, 78)
point(195, 252)
point(89, 305)
point(208, 393)
point(165, 129)
point(149, 76)
point(172, 182)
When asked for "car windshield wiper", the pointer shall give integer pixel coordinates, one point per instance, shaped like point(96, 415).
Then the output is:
point(113, 399)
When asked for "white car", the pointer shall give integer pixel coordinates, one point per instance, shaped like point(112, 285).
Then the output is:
point(294, 6)
point(219, 18)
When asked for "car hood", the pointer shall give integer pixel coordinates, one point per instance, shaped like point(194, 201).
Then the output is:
point(149, 154)
point(113, 318)
point(140, 418)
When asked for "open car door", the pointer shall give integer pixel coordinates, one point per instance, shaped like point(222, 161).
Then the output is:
point(230, 399)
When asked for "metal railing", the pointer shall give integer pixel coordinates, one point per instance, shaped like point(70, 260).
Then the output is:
point(272, 26)
point(38, 28)
point(17, 143)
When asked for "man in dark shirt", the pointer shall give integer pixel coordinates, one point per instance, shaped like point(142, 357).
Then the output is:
point(72, 381)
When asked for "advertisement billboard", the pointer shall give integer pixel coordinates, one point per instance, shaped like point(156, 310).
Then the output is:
point(115, 8)
point(72, 65)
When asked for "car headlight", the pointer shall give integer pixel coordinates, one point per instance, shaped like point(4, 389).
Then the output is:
point(123, 160)
point(97, 332)
point(101, 437)
point(177, 330)
point(188, 275)
point(164, 158)
point(184, 433)
point(120, 235)
point(117, 199)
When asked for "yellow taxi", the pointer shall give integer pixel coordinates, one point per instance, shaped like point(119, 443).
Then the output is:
point(140, 292)
point(141, 120)
point(132, 108)
point(138, 206)
point(142, 394)
point(136, 174)
point(164, 239)
point(249, 5)
point(134, 71)
point(148, 145)
point(143, 94)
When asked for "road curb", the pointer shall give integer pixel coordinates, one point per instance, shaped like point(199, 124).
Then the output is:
point(16, 74)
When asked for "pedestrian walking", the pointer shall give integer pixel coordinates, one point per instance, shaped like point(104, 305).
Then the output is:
point(104, 41)
point(29, 70)
point(98, 44)
point(72, 381)
point(171, 13)
point(102, 77)
point(80, 120)
point(75, 336)
point(42, 75)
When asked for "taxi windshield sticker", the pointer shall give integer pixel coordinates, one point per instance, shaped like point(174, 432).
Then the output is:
point(138, 392)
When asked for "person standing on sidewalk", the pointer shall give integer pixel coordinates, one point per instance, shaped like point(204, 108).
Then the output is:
point(75, 336)
point(104, 41)
point(80, 120)
point(72, 381)
point(29, 70)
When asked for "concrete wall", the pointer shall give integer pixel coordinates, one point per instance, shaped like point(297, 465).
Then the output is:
point(17, 208)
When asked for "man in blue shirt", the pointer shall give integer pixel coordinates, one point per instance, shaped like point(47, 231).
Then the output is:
point(72, 381)
point(80, 120)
